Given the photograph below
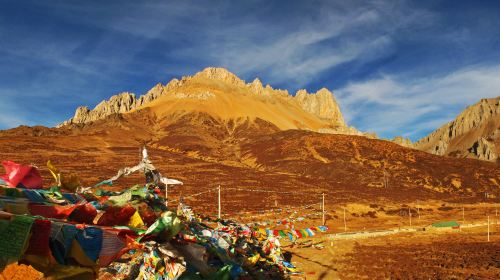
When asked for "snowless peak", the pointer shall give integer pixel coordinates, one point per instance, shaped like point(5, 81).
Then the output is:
point(324, 92)
point(219, 88)
point(474, 133)
point(322, 104)
point(222, 74)
point(256, 86)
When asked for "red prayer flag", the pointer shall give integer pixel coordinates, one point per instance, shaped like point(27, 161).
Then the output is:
point(39, 240)
point(17, 174)
point(51, 211)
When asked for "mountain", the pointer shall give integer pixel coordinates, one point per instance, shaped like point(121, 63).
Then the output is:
point(214, 129)
point(475, 133)
point(222, 95)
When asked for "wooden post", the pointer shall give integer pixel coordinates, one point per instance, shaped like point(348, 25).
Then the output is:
point(463, 215)
point(345, 225)
point(323, 208)
point(418, 209)
point(385, 179)
point(409, 212)
point(219, 203)
point(488, 228)
point(166, 195)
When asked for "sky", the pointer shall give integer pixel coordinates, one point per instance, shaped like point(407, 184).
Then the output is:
point(395, 67)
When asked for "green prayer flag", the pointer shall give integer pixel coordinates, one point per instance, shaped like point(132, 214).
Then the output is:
point(121, 199)
point(13, 238)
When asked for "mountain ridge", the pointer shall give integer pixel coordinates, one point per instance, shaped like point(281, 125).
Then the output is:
point(317, 111)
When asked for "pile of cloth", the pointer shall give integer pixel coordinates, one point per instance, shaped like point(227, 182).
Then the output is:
point(131, 234)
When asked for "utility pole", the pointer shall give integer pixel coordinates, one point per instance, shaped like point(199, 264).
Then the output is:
point(488, 228)
point(345, 225)
point(323, 208)
point(219, 203)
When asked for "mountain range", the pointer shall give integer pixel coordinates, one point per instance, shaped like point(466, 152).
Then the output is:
point(213, 128)
point(220, 93)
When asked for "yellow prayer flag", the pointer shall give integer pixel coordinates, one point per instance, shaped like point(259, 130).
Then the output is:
point(55, 173)
point(136, 221)
point(68, 181)
point(251, 261)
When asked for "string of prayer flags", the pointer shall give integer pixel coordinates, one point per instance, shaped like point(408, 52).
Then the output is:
point(300, 233)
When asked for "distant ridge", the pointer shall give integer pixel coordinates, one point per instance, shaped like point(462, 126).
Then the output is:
point(475, 133)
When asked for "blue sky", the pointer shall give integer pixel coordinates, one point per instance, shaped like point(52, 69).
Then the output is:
point(396, 67)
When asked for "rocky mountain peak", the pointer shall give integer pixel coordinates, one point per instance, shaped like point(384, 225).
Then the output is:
point(322, 104)
point(402, 141)
point(221, 74)
point(256, 86)
point(325, 93)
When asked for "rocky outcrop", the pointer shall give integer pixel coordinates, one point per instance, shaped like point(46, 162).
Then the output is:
point(474, 133)
point(121, 103)
point(321, 104)
point(256, 86)
point(402, 141)
point(484, 150)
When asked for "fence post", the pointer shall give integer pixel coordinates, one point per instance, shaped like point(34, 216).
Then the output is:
point(409, 212)
point(323, 208)
point(345, 225)
point(488, 228)
point(219, 203)
point(463, 215)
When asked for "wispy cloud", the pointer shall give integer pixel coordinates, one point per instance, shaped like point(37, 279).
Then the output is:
point(391, 105)
point(337, 35)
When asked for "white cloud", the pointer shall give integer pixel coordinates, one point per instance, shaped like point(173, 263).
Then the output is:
point(390, 104)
